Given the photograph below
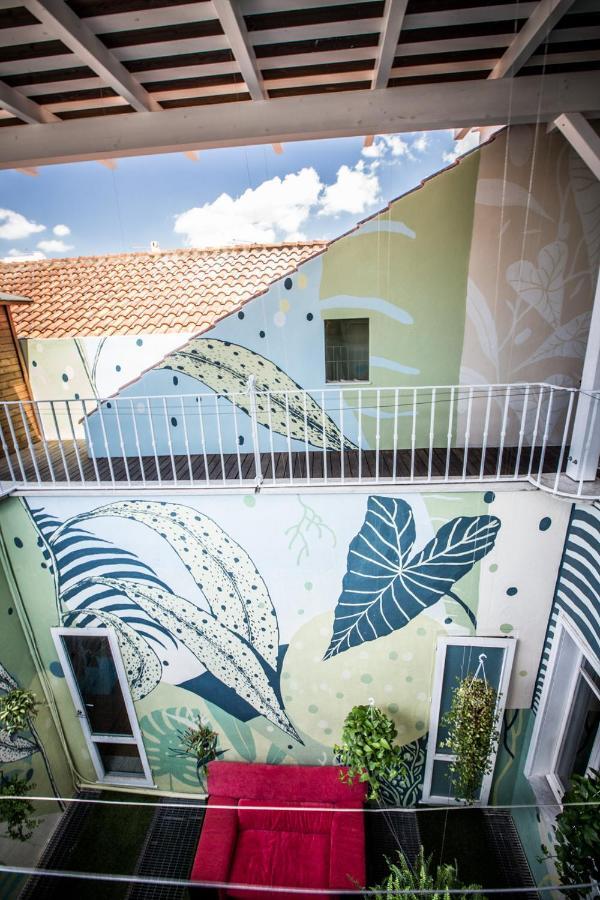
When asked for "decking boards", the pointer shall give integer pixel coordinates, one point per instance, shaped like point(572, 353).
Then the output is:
point(68, 463)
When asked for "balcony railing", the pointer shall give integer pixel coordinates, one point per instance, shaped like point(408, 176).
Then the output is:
point(334, 436)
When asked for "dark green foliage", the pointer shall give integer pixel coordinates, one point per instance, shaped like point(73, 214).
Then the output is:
point(200, 742)
point(422, 876)
point(368, 750)
point(17, 815)
point(577, 834)
point(473, 735)
point(17, 707)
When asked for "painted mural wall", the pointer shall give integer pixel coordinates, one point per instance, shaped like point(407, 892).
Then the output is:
point(34, 754)
point(271, 616)
point(483, 275)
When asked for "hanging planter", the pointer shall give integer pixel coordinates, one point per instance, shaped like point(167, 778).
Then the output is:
point(17, 710)
point(368, 749)
point(200, 741)
point(473, 735)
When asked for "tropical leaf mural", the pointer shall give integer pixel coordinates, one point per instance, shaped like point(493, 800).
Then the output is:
point(220, 567)
point(220, 650)
point(225, 368)
point(236, 639)
point(385, 587)
point(13, 747)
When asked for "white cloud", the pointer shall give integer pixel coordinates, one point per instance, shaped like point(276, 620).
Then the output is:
point(61, 230)
point(277, 208)
point(420, 144)
point(15, 255)
point(354, 191)
point(52, 246)
point(463, 146)
point(14, 226)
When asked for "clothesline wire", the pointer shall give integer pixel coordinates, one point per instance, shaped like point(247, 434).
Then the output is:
point(320, 809)
point(354, 892)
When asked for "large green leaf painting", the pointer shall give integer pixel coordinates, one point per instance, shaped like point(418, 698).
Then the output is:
point(225, 368)
point(385, 587)
point(224, 653)
point(220, 567)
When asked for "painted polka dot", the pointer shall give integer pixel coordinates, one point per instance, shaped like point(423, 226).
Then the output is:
point(421, 631)
point(322, 723)
point(34, 363)
point(420, 725)
point(261, 334)
point(279, 319)
point(448, 621)
point(240, 439)
point(302, 281)
point(117, 368)
point(366, 678)
point(408, 679)
point(393, 655)
point(392, 708)
point(309, 317)
point(139, 342)
point(493, 567)
point(56, 669)
point(284, 305)
point(346, 674)
point(339, 695)
point(288, 284)
point(545, 523)
point(240, 315)
point(523, 673)
point(249, 500)
point(300, 612)
point(506, 628)
point(18, 542)
point(173, 421)
point(511, 591)
point(313, 709)
point(308, 585)
point(489, 497)
point(175, 380)
point(65, 377)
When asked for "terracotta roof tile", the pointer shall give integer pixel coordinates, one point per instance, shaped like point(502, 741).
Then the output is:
point(154, 293)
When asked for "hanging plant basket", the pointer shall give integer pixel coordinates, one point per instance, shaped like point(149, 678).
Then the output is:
point(368, 749)
point(473, 735)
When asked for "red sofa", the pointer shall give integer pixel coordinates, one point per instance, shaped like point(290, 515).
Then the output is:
point(251, 844)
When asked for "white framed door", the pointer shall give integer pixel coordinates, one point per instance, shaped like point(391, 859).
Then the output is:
point(94, 671)
point(566, 735)
point(457, 658)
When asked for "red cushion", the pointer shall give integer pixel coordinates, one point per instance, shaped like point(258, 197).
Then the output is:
point(282, 820)
point(281, 859)
point(260, 781)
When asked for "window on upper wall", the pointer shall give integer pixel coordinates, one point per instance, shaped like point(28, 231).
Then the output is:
point(346, 350)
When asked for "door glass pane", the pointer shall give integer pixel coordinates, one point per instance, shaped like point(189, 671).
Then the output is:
point(580, 734)
point(96, 676)
point(120, 759)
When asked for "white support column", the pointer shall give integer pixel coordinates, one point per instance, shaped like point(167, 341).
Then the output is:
point(585, 441)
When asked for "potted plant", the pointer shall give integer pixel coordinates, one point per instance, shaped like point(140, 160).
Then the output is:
point(403, 879)
point(200, 741)
point(367, 749)
point(577, 834)
point(473, 735)
point(17, 815)
point(17, 709)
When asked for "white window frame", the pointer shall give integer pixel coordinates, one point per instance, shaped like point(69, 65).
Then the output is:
point(351, 382)
point(92, 739)
point(432, 754)
point(544, 739)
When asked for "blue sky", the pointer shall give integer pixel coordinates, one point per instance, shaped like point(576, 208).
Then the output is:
point(314, 189)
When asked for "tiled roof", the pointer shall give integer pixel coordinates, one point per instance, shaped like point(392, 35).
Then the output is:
point(149, 293)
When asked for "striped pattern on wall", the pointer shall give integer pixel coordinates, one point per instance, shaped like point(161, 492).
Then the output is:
point(578, 586)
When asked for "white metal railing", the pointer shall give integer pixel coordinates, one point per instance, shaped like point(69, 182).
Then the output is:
point(330, 436)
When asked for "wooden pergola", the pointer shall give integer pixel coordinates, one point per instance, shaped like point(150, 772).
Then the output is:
point(99, 79)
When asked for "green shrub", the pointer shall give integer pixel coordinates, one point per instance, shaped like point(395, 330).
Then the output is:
point(200, 741)
point(368, 750)
point(403, 877)
point(577, 834)
point(17, 707)
point(473, 735)
point(17, 815)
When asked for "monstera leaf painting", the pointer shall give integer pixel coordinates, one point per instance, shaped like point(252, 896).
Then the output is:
point(225, 368)
point(236, 639)
point(386, 585)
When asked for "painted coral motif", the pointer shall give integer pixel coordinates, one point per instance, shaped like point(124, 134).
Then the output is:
point(386, 585)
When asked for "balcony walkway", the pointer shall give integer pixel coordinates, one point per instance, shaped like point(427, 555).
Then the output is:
point(67, 462)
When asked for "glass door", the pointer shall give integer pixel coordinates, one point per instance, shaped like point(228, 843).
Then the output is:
point(94, 671)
